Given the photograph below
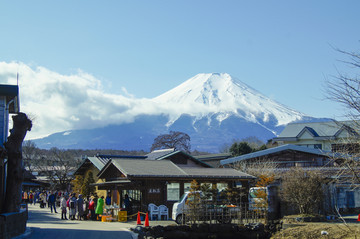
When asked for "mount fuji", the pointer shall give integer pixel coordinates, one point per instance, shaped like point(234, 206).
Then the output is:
point(213, 109)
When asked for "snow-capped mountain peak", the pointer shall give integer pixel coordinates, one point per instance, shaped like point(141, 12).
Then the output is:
point(213, 109)
point(214, 93)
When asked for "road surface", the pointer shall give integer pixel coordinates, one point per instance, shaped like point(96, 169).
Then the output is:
point(44, 224)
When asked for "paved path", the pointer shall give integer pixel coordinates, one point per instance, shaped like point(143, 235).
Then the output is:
point(44, 224)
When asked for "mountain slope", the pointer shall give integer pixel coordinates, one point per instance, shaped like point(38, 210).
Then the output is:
point(225, 96)
point(214, 109)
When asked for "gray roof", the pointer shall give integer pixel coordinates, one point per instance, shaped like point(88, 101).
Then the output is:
point(187, 155)
point(209, 157)
point(147, 167)
point(159, 153)
point(216, 172)
point(318, 129)
point(98, 162)
point(213, 159)
point(273, 151)
point(165, 168)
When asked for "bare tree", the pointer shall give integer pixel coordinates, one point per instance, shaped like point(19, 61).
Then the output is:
point(257, 168)
point(175, 139)
point(303, 189)
point(345, 89)
point(58, 167)
point(30, 155)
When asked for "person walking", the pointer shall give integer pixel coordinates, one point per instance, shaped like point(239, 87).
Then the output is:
point(52, 202)
point(63, 207)
point(99, 207)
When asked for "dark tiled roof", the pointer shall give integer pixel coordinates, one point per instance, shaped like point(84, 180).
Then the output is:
point(216, 172)
point(213, 159)
point(147, 167)
point(209, 157)
point(165, 168)
point(100, 160)
point(186, 155)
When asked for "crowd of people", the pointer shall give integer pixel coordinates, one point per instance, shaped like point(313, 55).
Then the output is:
point(73, 207)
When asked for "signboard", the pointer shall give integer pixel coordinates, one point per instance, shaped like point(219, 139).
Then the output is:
point(154, 190)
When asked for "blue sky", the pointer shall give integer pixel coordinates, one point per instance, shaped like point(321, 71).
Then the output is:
point(284, 49)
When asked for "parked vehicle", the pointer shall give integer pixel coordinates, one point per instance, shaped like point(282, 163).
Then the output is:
point(265, 199)
point(205, 210)
point(258, 198)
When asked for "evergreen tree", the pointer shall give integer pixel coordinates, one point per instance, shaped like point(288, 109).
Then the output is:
point(87, 189)
point(77, 183)
point(240, 148)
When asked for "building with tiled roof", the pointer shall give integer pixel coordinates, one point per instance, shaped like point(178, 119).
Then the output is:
point(328, 136)
point(162, 181)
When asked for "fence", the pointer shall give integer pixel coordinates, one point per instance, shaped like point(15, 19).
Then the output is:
point(223, 214)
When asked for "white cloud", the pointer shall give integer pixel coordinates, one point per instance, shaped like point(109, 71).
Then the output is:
point(58, 102)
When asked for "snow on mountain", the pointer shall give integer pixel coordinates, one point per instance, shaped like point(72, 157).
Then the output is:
point(224, 95)
point(213, 109)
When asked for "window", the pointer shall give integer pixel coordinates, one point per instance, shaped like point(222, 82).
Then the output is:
point(313, 146)
point(221, 186)
point(173, 191)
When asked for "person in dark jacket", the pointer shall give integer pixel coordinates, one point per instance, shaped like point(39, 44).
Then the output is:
point(108, 199)
point(52, 200)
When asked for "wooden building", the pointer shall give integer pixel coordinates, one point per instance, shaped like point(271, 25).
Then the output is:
point(163, 181)
point(91, 166)
point(160, 177)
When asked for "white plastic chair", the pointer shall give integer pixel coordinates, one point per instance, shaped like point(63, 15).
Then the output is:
point(153, 211)
point(163, 211)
